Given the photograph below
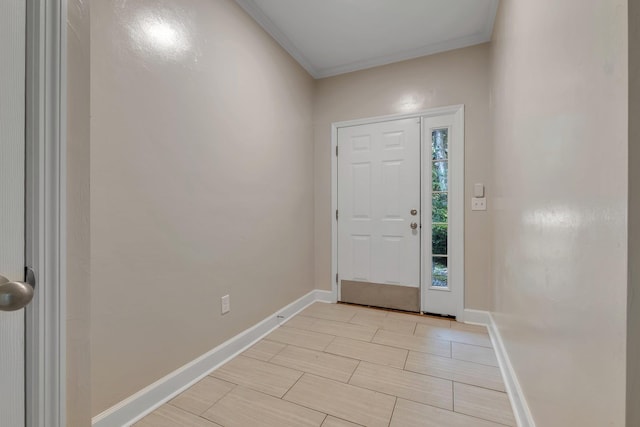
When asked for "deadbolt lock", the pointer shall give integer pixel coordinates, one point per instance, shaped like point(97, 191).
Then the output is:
point(414, 212)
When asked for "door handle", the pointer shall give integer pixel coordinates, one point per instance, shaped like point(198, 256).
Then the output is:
point(414, 225)
point(16, 295)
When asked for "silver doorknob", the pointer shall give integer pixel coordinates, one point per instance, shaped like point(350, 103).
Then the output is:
point(414, 225)
point(16, 295)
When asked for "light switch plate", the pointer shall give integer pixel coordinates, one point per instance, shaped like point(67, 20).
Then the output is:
point(478, 190)
point(479, 204)
point(226, 304)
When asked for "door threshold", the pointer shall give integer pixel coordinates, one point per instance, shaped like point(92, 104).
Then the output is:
point(441, 316)
point(394, 310)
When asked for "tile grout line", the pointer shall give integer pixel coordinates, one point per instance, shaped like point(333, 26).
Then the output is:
point(453, 396)
point(378, 329)
point(218, 400)
point(289, 389)
point(362, 360)
point(277, 352)
point(449, 379)
point(474, 416)
point(445, 357)
point(453, 340)
point(283, 399)
point(188, 412)
point(316, 351)
point(374, 335)
point(409, 399)
point(410, 349)
point(324, 350)
point(406, 358)
point(479, 386)
point(386, 366)
point(361, 388)
point(354, 371)
point(383, 365)
point(324, 419)
point(471, 361)
point(393, 411)
point(312, 409)
point(326, 333)
point(444, 378)
point(345, 420)
point(448, 410)
point(484, 419)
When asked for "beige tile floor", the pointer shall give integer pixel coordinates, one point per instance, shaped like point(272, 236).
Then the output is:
point(336, 365)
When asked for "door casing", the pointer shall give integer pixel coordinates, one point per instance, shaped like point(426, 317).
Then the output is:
point(46, 212)
point(456, 201)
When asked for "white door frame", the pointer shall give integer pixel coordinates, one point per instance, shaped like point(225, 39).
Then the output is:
point(45, 212)
point(456, 200)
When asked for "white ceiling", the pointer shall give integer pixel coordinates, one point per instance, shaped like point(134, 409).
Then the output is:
point(329, 37)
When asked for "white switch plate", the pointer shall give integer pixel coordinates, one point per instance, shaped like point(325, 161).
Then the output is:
point(479, 204)
point(226, 304)
point(478, 190)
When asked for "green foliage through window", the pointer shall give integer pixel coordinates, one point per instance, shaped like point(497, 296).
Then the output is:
point(440, 208)
point(439, 272)
point(439, 176)
point(439, 239)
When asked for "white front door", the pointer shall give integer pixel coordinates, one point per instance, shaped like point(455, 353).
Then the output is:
point(379, 213)
point(12, 190)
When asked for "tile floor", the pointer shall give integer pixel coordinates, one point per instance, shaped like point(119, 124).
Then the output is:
point(336, 365)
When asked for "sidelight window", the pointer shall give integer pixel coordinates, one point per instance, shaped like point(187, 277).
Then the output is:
point(439, 208)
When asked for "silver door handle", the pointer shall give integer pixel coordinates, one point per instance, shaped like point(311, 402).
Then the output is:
point(16, 295)
point(414, 225)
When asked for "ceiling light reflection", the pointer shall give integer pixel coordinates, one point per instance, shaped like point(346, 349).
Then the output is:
point(158, 33)
point(409, 103)
point(559, 217)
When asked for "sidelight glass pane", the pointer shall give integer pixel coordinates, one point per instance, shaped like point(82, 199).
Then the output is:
point(440, 176)
point(439, 207)
point(439, 239)
point(439, 272)
point(440, 144)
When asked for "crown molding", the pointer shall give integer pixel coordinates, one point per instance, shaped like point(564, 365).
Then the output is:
point(272, 29)
point(403, 56)
point(267, 24)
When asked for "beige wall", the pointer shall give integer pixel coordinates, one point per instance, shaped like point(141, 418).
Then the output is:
point(560, 159)
point(78, 233)
point(633, 302)
point(455, 77)
point(201, 185)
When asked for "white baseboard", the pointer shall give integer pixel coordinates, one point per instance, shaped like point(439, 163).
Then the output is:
point(325, 296)
point(151, 397)
point(476, 317)
point(516, 395)
point(521, 410)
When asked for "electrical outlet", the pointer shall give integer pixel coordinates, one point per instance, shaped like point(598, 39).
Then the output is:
point(479, 204)
point(226, 304)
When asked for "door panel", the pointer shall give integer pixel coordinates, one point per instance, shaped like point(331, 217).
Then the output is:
point(378, 186)
point(12, 125)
